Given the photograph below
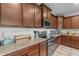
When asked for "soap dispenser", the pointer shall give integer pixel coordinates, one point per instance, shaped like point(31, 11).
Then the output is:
point(36, 34)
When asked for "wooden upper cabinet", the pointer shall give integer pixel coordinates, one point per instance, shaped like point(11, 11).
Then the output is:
point(71, 22)
point(49, 14)
point(11, 14)
point(60, 22)
point(38, 16)
point(53, 20)
point(45, 11)
point(28, 15)
point(67, 22)
point(75, 22)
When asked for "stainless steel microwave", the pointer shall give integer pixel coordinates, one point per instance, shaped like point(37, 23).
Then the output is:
point(47, 23)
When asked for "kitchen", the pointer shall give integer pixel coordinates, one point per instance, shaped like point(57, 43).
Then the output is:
point(32, 29)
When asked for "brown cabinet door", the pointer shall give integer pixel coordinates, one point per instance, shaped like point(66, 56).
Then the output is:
point(65, 40)
point(45, 15)
point(38, 16)
point(28, 15)
point(28, 51)
point(60, 22)
point(53, 20)
point(11, 14)
point(57, 40)
point(43, 48)
point(75, 42)
point(33, 53)
point(75, 22)
point(45, 11)
point(49, 14)
point(68, 23)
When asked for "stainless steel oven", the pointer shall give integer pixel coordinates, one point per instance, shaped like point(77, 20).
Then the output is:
point(40, 34)
point(51, 35)
point(51, 42)
point(43, 34)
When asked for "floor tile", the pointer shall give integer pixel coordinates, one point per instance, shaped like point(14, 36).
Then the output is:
point(65, 51)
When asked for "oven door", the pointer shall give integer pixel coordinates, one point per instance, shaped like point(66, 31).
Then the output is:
point(51, 46)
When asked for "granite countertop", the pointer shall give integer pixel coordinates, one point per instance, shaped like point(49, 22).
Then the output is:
point(20, 44)
point(69, 35)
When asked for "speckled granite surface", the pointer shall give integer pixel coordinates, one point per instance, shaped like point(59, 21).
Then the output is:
point(20, 44)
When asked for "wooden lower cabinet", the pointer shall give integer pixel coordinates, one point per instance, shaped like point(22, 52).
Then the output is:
point(65, 40)
point(43, 48)
point(58, 40)
point(70, 41)
point(39, 49)
point(43, 51)
point(31, 50)
point(33, 53)
point(75, 42)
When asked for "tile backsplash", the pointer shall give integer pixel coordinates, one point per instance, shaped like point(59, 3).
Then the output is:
point(70, 31)
point(8, 31)
point(11, 31)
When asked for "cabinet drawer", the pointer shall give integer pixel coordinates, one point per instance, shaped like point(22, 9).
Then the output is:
point(33, 53)
point(31, 48)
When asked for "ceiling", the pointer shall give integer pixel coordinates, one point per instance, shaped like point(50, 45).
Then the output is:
point(63, 9)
